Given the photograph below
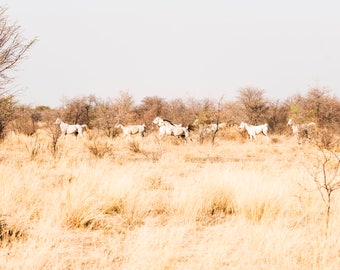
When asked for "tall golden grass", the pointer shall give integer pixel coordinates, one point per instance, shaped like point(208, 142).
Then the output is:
point(141, 203)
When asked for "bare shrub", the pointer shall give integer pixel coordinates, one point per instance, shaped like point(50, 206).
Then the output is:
point(105, 119)
point(254, 104)
point(98, 147)
point(124, 108)
point(326, 176)
point(134, 147)
point(77, 110)
point(326, 139)
point(317, 106)
point(53, 132)
point(151, 107)
point(33, 147)
point(26, 120)
point(7, 106)
point(13, 48)
point(53, 146)
point(23, 125)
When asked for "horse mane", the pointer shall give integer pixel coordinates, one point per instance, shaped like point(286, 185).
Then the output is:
point(166, 120)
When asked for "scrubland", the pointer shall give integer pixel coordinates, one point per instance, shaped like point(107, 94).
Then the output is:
point(142, 203)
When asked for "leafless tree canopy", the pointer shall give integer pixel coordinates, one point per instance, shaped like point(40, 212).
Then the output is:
point(12, 48)
point(254, 103)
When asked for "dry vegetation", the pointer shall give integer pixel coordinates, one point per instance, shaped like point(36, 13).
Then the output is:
point(141, 203)
point(220, 202)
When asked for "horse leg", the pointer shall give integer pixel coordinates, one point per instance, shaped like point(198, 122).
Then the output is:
point(266, 134)
point(250, 136)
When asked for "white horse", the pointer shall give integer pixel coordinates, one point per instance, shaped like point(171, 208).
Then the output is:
point(168, 128)
point(70, 129)
point(254, 130)
point(132, 129)
point(301, 131)
point(165, 127)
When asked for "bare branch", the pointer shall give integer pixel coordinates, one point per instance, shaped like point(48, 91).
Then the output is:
point(13, 48)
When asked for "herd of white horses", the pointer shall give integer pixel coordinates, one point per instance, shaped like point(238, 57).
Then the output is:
point(167, 128)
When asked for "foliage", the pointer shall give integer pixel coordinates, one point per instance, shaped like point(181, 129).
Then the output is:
point(277, 115)
point(104, 118)
point(25, 120)
point(318, 106)
point(151, 107)
point(77, 110)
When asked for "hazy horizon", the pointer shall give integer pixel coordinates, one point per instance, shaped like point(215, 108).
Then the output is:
point(177, 49)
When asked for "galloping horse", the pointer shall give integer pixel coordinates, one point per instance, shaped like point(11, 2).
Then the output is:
point(168, 128)
point(69, 129)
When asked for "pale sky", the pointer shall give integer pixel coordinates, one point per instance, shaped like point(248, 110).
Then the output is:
point(176, 49)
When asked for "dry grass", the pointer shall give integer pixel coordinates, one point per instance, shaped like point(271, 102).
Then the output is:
point(142, 203)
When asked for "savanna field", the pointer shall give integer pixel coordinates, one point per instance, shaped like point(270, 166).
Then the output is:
point(145, 203)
